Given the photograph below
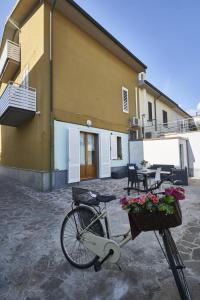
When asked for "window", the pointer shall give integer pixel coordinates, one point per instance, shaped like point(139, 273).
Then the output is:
point(119, 147)
point(150, 111)
point(116, 147)
point(164, 118)
point(125, 99)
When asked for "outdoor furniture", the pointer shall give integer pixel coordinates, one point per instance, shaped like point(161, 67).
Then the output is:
point(119, 173)
point(148, 172)
point(164, 167)
point(181, 174)
point(157, 177)
point(134, 178)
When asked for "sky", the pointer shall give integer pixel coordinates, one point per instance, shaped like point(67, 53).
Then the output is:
point(164, 35)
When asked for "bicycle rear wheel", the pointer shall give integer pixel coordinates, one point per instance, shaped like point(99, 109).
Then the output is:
point(71, 243)
point(176, 265)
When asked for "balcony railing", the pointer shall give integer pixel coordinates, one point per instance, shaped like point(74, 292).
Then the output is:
point(17, 104)
point(178, 126)
point(9, 61)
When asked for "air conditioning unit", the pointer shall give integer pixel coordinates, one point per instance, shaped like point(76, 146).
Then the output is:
point(150, 135)
point(135, 121)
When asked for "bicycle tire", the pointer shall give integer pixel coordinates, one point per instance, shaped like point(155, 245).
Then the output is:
point(80, 216)
point(175, 262)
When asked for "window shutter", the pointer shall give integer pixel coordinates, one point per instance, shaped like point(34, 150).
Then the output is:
point(125, 99)
point(73, 155)
point(104, 157)
point(113, 140)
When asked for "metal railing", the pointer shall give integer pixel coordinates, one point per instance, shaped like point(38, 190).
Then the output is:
point(18, 96)
point(178, 126)
point(11, 51)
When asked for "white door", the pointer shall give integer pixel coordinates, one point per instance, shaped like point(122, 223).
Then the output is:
point(73, 155)
point(104, 155)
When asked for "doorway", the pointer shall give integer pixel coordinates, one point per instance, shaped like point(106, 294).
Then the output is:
point(88, 155)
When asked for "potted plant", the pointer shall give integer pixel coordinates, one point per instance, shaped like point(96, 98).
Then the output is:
point(144, 163)
point(155, 211)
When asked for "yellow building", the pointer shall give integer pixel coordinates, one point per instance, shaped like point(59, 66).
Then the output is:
point(67, 94)
point(70, 99)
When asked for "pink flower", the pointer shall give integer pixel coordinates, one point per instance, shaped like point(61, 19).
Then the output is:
point(123, 201)
point(154, 199)
point(142, 199)
point(177, 193)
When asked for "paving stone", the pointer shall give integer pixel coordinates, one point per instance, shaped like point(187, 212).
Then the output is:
point(51, 284)
point(196, 254)
point(33, 266)
point(197, 241)
point(194, 230)
point(185, 256)
point(188, 244)
point(184, 249)
point(189, 237)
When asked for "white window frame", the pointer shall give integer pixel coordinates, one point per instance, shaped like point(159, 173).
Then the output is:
point(114, 147)
point(125, 110)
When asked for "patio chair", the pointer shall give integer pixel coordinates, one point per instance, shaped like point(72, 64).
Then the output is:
point(156, 177)
point(134, 178)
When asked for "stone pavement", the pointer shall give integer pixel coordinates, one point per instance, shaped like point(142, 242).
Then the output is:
point(32, 265)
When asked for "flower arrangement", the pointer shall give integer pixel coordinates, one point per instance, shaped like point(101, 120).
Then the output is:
point(153, 203)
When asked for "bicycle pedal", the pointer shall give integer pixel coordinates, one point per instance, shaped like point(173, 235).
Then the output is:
point(97, 266)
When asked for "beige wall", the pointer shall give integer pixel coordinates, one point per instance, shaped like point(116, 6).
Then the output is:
point(145, 96)
point(87, 85)
point(88, 80)
point(28, 145)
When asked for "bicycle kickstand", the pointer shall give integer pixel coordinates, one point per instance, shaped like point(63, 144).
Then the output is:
point(97, 264)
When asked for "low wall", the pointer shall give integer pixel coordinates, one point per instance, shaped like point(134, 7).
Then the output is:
point(38, 180)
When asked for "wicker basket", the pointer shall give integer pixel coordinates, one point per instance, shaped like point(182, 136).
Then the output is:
point(155, 220)
point(84, 196)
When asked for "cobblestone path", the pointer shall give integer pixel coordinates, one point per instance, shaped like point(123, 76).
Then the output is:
point(32, 265)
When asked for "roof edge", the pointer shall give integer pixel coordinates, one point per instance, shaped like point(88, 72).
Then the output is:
point(169, 99)
point(109, 35)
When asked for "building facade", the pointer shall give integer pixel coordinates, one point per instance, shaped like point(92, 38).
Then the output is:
point(67, 94)
point(158, 113)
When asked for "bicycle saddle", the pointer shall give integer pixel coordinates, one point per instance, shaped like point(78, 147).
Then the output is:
point(106, 198)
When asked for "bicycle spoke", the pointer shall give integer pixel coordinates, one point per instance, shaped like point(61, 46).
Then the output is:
point(72, 241)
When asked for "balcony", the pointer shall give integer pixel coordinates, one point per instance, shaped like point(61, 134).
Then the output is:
point(9, 61)
point(156, 130)
point(17, 104)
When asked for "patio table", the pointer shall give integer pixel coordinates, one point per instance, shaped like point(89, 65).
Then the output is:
point(147, 172)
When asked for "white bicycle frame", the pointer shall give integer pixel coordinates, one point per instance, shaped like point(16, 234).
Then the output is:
point(102, 246)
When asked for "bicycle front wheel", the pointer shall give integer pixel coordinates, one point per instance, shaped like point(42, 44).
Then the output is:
point(176, 265)
point(72, 246)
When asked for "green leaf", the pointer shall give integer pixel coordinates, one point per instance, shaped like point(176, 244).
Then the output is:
point(169, 199)
point(149, 206)
point(166, 208)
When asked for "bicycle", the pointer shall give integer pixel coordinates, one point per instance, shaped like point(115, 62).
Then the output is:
point(86, 240)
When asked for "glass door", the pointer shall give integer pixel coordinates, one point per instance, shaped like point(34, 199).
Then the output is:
point(88, 155)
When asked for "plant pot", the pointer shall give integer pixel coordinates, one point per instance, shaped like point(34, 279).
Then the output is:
point(148, 221)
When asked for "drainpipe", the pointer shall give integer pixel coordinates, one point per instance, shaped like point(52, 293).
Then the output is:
point(53, 3)
point(155, 112)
